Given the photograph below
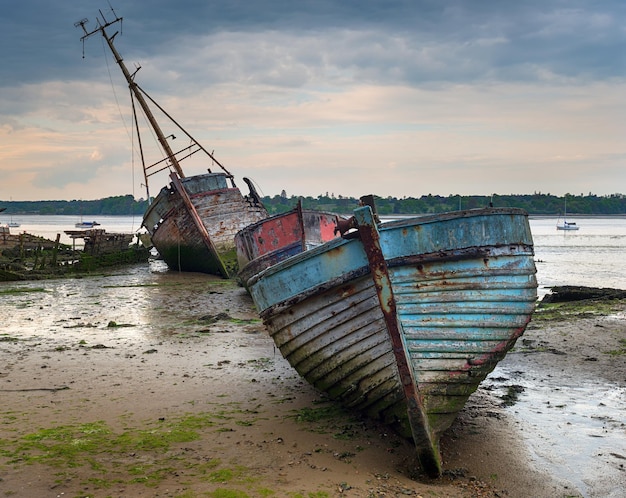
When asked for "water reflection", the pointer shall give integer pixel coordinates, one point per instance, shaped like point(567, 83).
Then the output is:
point(141, 299)
point(573, 431)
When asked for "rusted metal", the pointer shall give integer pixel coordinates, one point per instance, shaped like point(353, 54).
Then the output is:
point(302, 227)
point(343, 226)
point(428, 451)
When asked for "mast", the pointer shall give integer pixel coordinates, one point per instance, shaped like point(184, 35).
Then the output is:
point(102, 25)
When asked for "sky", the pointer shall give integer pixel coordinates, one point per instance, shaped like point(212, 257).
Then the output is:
point(397, 98)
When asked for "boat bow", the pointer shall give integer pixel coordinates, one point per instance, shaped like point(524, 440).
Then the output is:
point(425, 441)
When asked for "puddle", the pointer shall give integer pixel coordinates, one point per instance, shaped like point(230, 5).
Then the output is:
point(575, 432)
point(142, 303)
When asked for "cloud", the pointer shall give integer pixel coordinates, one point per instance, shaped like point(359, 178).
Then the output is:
point(393, 97)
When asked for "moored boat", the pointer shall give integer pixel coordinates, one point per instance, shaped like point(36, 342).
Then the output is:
point(11, 223)
point(193, 220)
point(403, 321)
point(86, 224)
point(566, 225)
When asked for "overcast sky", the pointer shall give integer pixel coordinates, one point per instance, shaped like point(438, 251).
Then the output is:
point(391, 97)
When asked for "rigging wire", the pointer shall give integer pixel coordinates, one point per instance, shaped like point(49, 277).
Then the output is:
point(256, 185)
point(130, 136)
point(117, 102)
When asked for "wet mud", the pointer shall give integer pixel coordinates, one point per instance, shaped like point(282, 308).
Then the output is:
point(154, 383)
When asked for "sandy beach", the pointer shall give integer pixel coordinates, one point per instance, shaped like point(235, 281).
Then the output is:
point(170, 387)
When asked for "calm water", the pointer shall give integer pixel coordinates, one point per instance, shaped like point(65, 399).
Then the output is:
point(50, 226)
point(593, 256)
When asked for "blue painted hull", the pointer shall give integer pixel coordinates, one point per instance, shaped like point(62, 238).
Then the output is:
point(463, 288)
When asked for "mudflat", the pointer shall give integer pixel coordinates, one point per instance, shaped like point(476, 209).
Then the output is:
point(167, 385)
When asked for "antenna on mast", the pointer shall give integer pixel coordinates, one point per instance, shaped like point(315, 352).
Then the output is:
point(102, 24)
point(82, 23)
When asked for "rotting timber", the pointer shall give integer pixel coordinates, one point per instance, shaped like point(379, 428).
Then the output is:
point(193, 220)
point(29, 257)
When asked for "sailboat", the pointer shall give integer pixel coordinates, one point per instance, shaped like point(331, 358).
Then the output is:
point(193, 220)
point(11, 223)
point(566, 225)
point(86, 224)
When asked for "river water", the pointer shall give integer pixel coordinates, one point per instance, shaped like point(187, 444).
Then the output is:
point(593, 256)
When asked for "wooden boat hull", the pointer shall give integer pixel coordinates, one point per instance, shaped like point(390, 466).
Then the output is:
point(198, 235)
point(463, 286)
point(279, 237)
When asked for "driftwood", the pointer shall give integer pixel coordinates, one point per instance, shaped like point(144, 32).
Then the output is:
point(567, 293)
point(51, 389)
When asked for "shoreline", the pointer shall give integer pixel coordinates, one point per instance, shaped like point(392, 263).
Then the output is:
point(172, 388)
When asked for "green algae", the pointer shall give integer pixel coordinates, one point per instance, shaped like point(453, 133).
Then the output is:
point(98, 447)
point(547, 312)
point(329, 418)
point(620, 351)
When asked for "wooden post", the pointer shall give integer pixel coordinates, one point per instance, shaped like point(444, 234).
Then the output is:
point(53, 263)
point(36, 258)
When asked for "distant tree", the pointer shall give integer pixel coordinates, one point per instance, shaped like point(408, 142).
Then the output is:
point(536, 204)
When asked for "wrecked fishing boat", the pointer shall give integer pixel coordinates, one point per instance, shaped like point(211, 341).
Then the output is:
point(193, 220)
point(279, 237)
point(401, 321)
point(23, 241)
point(99, 241)
point(26, 256)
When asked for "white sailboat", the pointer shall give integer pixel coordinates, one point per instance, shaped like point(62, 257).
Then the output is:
point(566, 225)
point(14, 224)
point(11, 223)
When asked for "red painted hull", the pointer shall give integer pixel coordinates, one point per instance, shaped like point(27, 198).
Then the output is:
point(274, 239)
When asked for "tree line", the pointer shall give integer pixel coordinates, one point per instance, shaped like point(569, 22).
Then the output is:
point(535, 204)
point(119, 205)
